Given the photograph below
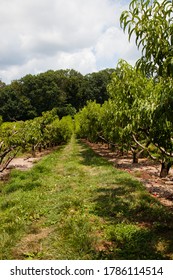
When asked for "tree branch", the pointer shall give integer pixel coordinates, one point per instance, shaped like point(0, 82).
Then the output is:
point(7, 151)
point(2, 142)
point(163, 151)
point(9, 160)
point(143, 147)
point(106, 141)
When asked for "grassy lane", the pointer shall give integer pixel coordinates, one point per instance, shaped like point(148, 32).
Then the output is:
point(74, 205)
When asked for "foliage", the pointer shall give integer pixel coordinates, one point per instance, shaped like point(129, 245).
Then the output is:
point(94, 86)
point(14, 105)
point(32, 135)
point(87, 121)
point(129, 93)
point(61, 130)
point(152, 24)
point(9, 143)
point(140, 112)
point(136, 116)
point(65, 90)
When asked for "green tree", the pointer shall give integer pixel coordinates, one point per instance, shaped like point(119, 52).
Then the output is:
point(141, 114)
point(2, 84)
point(87, 121)
point(43, 91)
point(94, 87)
point(152, 24)
point(9, 142)
point(15, 105)
point(128, 90)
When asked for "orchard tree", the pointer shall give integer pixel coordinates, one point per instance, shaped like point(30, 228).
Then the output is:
point(9, 142)
point(152, 24)
point(142, 116)
point(87, 121)
point(65, 129)
point(129, 90)
point(161, 131)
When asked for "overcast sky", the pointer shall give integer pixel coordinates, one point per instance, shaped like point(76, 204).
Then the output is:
point(38, 35)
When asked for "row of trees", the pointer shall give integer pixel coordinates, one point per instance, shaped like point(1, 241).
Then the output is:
point(66, 90)
point(134, 118)
point(139, 113)
point(31, 135)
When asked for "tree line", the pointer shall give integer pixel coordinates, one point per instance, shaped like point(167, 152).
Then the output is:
point(65, 90)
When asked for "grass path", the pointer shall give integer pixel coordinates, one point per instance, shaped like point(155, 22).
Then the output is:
point(73, 204)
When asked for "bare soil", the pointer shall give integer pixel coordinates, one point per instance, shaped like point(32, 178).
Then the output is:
point(146, 171)
point(23, 163)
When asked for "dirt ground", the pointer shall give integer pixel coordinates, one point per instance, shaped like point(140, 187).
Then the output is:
point(23, 163)
point(147, 171)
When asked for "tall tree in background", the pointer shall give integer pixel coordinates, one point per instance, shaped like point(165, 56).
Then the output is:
point(94, 86)
point(152, 24)
point(2, 84)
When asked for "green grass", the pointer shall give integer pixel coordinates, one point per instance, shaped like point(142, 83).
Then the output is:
point(74, 204)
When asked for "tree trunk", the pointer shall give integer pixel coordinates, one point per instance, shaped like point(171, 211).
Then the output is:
point(165, 169)
point(40, 148)
point(135, 157)
point(33, 151)
point(112, 147)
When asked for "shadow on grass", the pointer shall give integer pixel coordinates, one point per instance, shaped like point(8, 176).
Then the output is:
point(137, 225)
point(129, 242)
point(141, 228)
point(90, 158)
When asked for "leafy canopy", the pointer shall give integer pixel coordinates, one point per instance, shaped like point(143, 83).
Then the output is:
point(152, 24)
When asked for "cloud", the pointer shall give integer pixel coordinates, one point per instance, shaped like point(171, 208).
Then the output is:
point(37, 35)
point(83, 61)
point(113, 45)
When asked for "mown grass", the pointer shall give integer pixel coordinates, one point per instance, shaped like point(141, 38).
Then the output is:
point(73, 204)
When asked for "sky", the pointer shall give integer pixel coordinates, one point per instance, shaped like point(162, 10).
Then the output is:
point(39, 35)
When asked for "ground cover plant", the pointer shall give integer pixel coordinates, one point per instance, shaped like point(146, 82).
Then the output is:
point(74, 204)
